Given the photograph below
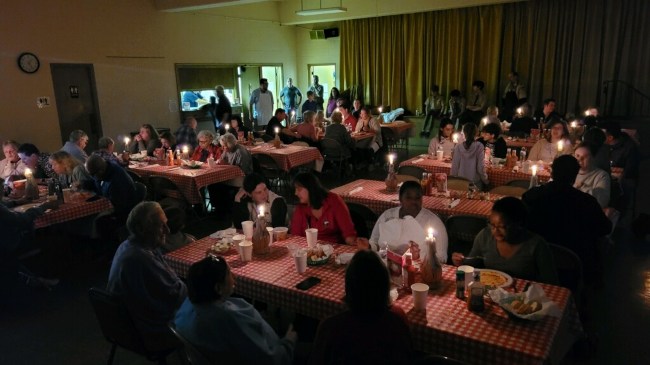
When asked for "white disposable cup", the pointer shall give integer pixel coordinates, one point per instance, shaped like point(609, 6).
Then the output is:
point(469, 274)
point(270, 230)
point(300, 259)
point(293, 248)
point(247, 226)
point(420, 293)
point(67, 194)
point(312, 236)
point(439, 154)
point(211, 162)
point(525, 166)
point(246, 250)
point(238, 238)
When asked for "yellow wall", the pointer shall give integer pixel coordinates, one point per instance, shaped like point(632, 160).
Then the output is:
point(130, 91)
point(313, 52)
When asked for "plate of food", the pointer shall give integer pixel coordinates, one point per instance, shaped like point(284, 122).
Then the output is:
point(138, 156)
point(493, 279)
point(319, 255)
point(192, 164)
point(221, 246)
point(23, 208)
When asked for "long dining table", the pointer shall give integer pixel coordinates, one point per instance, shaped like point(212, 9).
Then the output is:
point(288, 156)
point(190, 181)
point(70, 211)
point(373, 194)
point(446, 327)
point(496, 175)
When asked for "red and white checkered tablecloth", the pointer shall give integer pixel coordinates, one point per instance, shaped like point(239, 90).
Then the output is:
point(289, 156)
point(70, 211)
point(375, 196)
point(497, 176)
point(190, 181)
point(447, 327)
point(398, 126)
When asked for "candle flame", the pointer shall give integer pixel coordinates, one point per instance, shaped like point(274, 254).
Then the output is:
point(277, 129)
point(390, 158)
point(573, 124)
point(519, 110)
point(587, 113)
point(534, 170)
point(261, 209)
point(430, 232)
point(28, 172)
point(559, 146)
point(455, 137)
point(484, 120)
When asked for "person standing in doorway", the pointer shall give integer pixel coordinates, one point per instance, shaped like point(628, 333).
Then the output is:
point(318, 91)
point(291, 98)
point(262, 100)
point(224, 110)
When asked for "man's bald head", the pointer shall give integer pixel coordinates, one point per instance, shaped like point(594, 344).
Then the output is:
point(96, 166)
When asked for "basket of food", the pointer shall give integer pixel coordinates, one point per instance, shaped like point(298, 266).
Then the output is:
point(319, 255)
point(220, 247)
point(192, 164)
point(532, 305)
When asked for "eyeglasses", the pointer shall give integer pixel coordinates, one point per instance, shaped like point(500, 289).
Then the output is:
point(500, 228)
point(203, 141)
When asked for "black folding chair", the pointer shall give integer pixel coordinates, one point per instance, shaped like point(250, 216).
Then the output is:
point(267, 138)
point(140, 191)
point(119, 328)
point(569, 270)
point(520, 183)
point(271, 170)
point(462, 230)
point(167, 193)
point(333, 152)
point(414, 171)
point(364, 218)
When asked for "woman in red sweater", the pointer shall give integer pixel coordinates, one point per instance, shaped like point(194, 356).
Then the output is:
point(323, 210)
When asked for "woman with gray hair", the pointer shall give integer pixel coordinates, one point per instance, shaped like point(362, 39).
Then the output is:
point(235, 154)
point(142, 279)
point(206, 149)
point(12, 165)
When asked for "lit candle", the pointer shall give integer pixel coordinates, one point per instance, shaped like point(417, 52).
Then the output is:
point(390, 158)
point(380, 109)
point(519, 110)
point(277, 130)
point(484, 121)
point(573, 124)
point(587, 113)
point(261, 211)
point(227, 127)
point(455, 138)
point(534, 170)
point(559, 146)
point(28, 173)
point(430, 233)
point(185, 149)
point(126, 141)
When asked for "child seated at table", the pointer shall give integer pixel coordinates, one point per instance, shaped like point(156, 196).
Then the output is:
point(253, 194)
point(468, 160)
point(491, 138)
point(370, 331)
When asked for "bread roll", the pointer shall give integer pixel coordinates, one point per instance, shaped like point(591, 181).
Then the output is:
point(522, 308)
point(535, 306)
point(516, 304)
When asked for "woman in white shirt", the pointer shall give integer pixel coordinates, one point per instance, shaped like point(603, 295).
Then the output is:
point(12, 164)
point(368, 124)
point(546, 148)
point(410, 198)
point(591, 179)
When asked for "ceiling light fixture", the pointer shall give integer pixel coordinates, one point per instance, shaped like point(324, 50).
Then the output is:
point(321, 10)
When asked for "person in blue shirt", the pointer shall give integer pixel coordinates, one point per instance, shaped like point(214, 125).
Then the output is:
point(291, 97)
point(192, 97)
point(226, 328)
point(310, 104)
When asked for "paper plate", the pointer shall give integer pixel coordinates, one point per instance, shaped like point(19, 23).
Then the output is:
point(508, 282)
point(23, 208)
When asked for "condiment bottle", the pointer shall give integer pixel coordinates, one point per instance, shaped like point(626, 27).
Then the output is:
point(261, 237)
point(514, 159)
point(171, 158)
point(475, 293)
point(408, 272)
point(460, 284)
point(429, 184)
point(423, 183)
point(508, 159)
point(522, 154)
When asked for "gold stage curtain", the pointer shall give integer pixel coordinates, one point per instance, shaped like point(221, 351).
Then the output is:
point(561, 48)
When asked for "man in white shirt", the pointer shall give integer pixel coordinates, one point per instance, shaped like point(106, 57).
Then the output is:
point(261, 104)
point(410, 198)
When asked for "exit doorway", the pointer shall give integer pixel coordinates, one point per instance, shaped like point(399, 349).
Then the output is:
point(326, 76)
point(249, 80)
point(75, 92)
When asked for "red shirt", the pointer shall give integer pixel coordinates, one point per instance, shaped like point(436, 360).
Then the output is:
point(213, 151)
point(334, 225)
point(351, 120)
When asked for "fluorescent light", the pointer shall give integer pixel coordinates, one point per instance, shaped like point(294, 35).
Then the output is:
point(320, 11)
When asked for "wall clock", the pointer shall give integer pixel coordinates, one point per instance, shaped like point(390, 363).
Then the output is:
point(28, 63)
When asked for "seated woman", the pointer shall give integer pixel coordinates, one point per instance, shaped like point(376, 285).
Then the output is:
point(468, 160)
point(410, 198)
point(106, 147)
point(591, 179)
point(491, 139)
point(168, 142)
point(323, 210)
point(546, 149)
point(492, 115)
point(370, 331)
point(206, 149)
point(147, 140)
point(444, 138)
point(251, 196)
point(319, 122)
point(368, 124)
point(11, 165)
point(523, 123)
point(68, 168)
point(337, 132)
point(506, 245)
point(306, 131)
point(235, 154)
point(235, 127)
point(228, 330)
point(36, 160)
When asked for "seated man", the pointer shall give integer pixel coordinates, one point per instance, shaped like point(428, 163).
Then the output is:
point(37, 161)
point(142, 279)
point(106, 147)
point(544, 115)
point(457, 106)
point(276, 123)
point(623, 152)
point(410, 198)
point(236, 154)
point(568, 217)
point(75, 146)
point(491, 138)
point(476, 104)
point(186, 134)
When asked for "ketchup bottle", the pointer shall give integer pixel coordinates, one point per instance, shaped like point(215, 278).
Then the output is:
point(408, 272)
